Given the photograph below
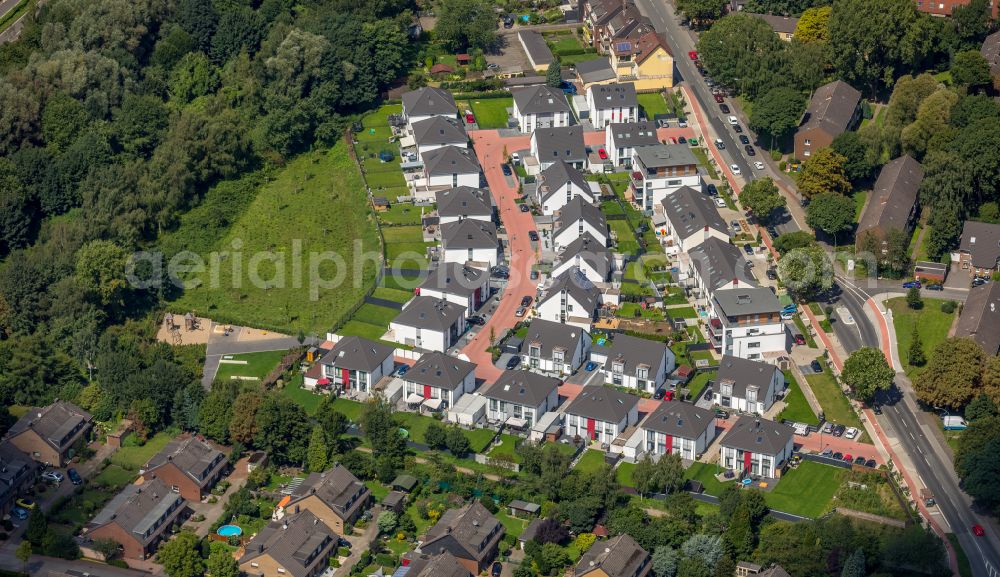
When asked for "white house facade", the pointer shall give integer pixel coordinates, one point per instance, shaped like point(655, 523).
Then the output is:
point(438, 376)
point(541, 107)
point(634, 363)
point(678, 428)
point(623, 138)
point(554, 348)
point(576, 219)
point(430, 324)
point(746, 323)
point(757, 446)
point(356, 364)
point(601, 413)
point(613, 102)
point(659, 170)
point(558, 185)
point(520, 398)
point(747, 386)
point(571, 299)
point(458, 283)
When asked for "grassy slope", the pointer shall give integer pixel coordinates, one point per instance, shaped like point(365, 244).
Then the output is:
point(317, 199)
point(257, 365)
point(835, 405)
point(932, 324)
point(806, 491)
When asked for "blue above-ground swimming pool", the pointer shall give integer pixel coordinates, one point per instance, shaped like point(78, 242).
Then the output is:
point(230, 531)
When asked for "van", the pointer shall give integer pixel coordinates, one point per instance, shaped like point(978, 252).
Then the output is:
point(954, 423)
point(733, 120)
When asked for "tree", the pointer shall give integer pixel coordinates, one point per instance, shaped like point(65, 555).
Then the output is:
point(976, 461)
point(855, 565)
point(813, 25)
point(282, 430)
point(857, 167)
point(216, 411)
point(181, 556)
point(317, 452)
point(776, 113)
point(387, 521)
point(23, 554)
point(932, 129)
point(806, 271)
point(708, 548)
point(831, 212)
point(971, 22)
point(101, 267)
point(457, 442)
point(642, 474)
point(436, 436)
point(795, 546)
point(739, 537)
point(866, 372)
point(701, 10)
point(693, 567)
point(382, 432)
point(913, 299)
point(63, 120)
point(466, 24)
point(243, 425)
point(762, 198)
point(945, 229)
point(743, 52)
point(664, 562)
point(953, 375)
point(860, 50)
point(824, 172)
point(982, 407)
point(551, 531)
point(970, 69)
point(553, 76)
point(524, 570)
point(915, 354)
point(793, 240)
point(221, 564)
point(38, 527)
point(668, 473)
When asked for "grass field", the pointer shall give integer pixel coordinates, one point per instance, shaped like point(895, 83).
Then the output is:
point(697, 384)
point(258, 365)
point(390, 294)
point(375, 314)
point(682, 313)
point(400, 214)
point(797, 408)
point(590, 461)
point(705, 473)
point(624, 474)
point(513, 525)
point(835, 405)
point(859, 203)
point(633, 310)
point(806, 491)
point(316, 203)
point(932, 324)
point(702, 157)
point(131, 458)
point(114, 476)
point(305, 398)
point(653, 103)
point(627, 243)
point(508, 447)
point(406, 244)
point(353, 328)
point(491, 112)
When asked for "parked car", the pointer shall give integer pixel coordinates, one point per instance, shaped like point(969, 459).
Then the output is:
point(496, 569)
point(26, 503)
point(402, 370)
point(602, 153)
point(681, 139)
point(712, 190)
point(799, 339)
point(534, 275)
point(911, 284)
point(748, 248)
point(53, 476)
point(934, 287)
point(737, 129)
point(681, 123)
point(736, 169)
point(469, 118)
point(568, 87)
point(506, 170)
point(658, 394)
point(851, 432)
point(773, 232)
point(532, 235)
point(772, 274)
point(978, 281)
point(591, 365)
point(724, 108)
point(848, 457)
point(508, 22)
point(477, 320)
point(735, 225)
point(838, 430)
point(827, 452)
point(827, 428)
point(720, 414)
point(720, 203)
point(718, 98)
point(719, 144)
point(859, 460)
point(749, 150)
point(523, 207)
point(526, 301)
point(74, 477)
point(744, 139)
point(20, 513)
point(816, 367)
point(871, 464)
point(758, 165)
point(520, 312)
point(838, 456)
point(513, 362)
point(978, 531)
point(693, 55)
point(877, 409)
point(733, 120)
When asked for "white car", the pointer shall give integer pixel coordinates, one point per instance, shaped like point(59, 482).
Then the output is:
point(733, 120)
point(758, 165)
point(736, 170)
point(720, 203)
point(851, 432)
point(53, 476)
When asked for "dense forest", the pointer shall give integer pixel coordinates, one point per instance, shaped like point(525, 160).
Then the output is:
point(117, 117)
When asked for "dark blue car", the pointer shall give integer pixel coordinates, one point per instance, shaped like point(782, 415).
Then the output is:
point(911, 284)
point(591, 365)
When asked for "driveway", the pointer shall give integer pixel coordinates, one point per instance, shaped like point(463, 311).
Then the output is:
point(359, 544)
point(211, 511)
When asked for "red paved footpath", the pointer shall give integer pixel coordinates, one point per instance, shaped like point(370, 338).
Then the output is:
point(490, 147)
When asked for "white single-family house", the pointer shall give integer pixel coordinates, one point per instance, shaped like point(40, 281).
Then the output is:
point(355, 364)
point(747, 386)
point(558, 184)
point(437, 380)
point(601, 413)
point(549, 145)
point(612, 103)
point(588, 255)
point(438, 132)
point(678, 428)
point(715, 265)
point(463, 202)
point(554, 347)
point(757, 446)
point(576, 219)
point(449, 167)
point(691, 220)
point(472, 241)
point(429, 323)
point(459, 283)
point(540, 107)
point(520, 398)
point(634, 363)
point(621, 140)
point(428, 102)
point(571, 299)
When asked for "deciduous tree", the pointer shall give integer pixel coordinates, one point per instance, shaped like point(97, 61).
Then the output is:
point(221, 564)
point(824, 172)
point(813, 25)
point(466, 24)
point(831, 212)
point(664, 562)
point(857, 167)
point(317, 453)
point(862, 53)
point(762, 197)
point(953, 375)
point(181, 556)
point(866, 372)
point(970, 69)
point(776, 113)
point(806, 271)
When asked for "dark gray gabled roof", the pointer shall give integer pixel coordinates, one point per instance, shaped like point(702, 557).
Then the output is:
point(614, 95)
point(578, 286)
point(665, 155)
point(472, 527)
point(338, 488)
point(58, 424)
point(633, 134)
point(439, 370)
point(577, 210)
point(430, 313)
point(357, 354)
point(556, 176)
point(548, 336)
point(991, 52)
point(139, 508)
point(831, 108)
point(522, 387)
point(193, 456)
point(589, 250)
point(469, 233)
point(602, 403)
point(298, 543)
point(450, 160)
point(780, 24)
point(443, 565)
point(895, 193)
point(428, 101)
point(538, 51)
point(980, 319)
point(747, 301)
point(560, 143)
point(454, 278)
point(540, 100)
point(690, 211)
point(758, 436)
point(719, 262)
point(633, 352)
point(621, 556)
point(597, 70)
point(982, 241)
point(439, 130)
point(463, 201)
point(679, 419)
point(743, 373)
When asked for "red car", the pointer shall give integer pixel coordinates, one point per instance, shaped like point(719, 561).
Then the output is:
point(602, 153)
point(469, 118)
point(848, 457)
point(718, 98)
point(978, 531)
point(693, 55)
point(800, 340)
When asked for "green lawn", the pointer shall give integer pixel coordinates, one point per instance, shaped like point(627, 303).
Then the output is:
point(307, 399)
point(626, 237)
point(375, 314)
point(508, 447)
point(702, 157)
point(353, 328)
point(318, 200)
point(860, 197)
point(406, 243)
point(350, 409)
point(624, 474)
point(562, 42)
point(258, 365)
point(705, 473)
point(633, 310)
point(491, 112)
point(590, 461)
point(401, 214)
point(82, 507)
point(675, 297)
point(697, 384)
point(131, 458)
point(799, 324)
point(114, 476)
point(390, 294)
point(564, 448)
point(835, 405)
point(932, 324)
point(682, 313)
point(513, 525)
point(797, 408)
point(806, 491)
point(574, 59)
point(378, 489)
point(479, 439)
point(653, 103)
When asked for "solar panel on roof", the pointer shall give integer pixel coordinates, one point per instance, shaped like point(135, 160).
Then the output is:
point(623, 46)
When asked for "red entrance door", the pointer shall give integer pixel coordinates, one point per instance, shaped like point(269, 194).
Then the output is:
point(746, 461)
point(670, 444)
point(345, 375)
point(427, 391)
point(477, 299)
point(590, 429)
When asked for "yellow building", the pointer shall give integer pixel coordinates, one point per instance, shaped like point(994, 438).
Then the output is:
point(647, 63)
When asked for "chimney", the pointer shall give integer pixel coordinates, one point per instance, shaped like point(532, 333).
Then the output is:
point(736, 282)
